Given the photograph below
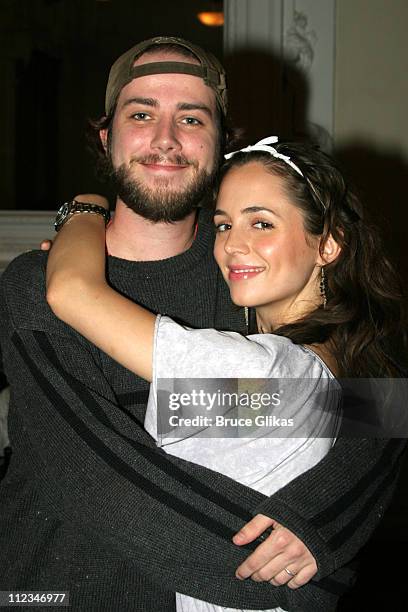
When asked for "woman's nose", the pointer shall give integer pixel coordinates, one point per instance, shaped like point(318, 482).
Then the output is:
point(236, 243)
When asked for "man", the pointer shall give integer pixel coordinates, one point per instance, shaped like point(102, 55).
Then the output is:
point(89, 504)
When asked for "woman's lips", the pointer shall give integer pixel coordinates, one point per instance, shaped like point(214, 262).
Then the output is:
point(237, 273)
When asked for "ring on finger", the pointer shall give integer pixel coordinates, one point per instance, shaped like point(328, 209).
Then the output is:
point(289, 572)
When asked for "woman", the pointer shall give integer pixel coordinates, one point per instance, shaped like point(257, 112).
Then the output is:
point(291, 242)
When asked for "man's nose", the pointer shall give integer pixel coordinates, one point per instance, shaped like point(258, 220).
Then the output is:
point(165, 136)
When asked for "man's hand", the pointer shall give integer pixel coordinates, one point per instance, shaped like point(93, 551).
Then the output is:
point(90, 198)
point(281, 559)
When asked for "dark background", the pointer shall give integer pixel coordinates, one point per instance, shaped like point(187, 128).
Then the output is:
point(56, 56)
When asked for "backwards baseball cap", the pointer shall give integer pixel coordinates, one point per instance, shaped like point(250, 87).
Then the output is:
point(123, 71)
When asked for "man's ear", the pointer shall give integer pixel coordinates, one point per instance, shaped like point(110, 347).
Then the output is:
point(329, 251)
point(103, 135)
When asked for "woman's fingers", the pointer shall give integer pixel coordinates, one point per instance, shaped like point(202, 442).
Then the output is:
point(253, 529)
point(281, 549)
point(46, 245)
point(297, 580)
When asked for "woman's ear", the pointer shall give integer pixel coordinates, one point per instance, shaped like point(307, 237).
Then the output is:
point(329, 251)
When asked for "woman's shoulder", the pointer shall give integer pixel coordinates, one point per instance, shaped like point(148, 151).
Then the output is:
point(300, 360)
point(325, 356)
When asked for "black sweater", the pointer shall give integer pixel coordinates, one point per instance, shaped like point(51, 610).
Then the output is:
point(91, 506)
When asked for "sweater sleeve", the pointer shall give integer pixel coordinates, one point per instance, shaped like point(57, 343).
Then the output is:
point(101, 471)
point(336, 505)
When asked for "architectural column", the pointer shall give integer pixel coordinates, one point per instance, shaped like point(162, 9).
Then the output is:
point(280, 58)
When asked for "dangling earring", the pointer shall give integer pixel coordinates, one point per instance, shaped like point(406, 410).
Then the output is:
point(246, 314)
point(322, 286)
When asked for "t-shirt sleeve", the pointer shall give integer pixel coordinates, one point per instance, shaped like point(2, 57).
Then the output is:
point(266, 365)
point(182, 352)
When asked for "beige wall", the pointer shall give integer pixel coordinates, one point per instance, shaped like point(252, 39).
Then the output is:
point(371, 94)
point(371, 111)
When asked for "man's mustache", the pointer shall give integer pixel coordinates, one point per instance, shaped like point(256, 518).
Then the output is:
point(175, 160)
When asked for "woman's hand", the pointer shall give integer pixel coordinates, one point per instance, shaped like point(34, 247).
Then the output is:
point(281, 559)
point(45, 245)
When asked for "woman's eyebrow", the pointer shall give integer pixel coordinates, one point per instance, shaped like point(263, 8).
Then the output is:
point(249, 209)
point(256, 208)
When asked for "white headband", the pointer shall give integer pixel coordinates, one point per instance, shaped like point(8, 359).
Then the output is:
point(264, 145)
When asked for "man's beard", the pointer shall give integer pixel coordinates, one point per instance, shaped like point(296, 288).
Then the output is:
point(162, 203)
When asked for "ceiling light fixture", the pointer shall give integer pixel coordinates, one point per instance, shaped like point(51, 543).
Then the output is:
point(211, 18)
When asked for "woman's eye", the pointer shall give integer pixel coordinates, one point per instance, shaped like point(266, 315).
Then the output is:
point(263, 225)
point(222, 227)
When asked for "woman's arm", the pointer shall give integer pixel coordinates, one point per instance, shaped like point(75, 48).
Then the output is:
point(78, 293)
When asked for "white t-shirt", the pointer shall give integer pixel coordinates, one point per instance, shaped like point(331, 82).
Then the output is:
point(264, 458)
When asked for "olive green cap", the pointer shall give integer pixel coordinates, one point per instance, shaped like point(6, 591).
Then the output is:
point(123, 71)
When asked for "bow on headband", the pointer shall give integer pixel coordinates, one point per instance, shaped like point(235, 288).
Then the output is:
point(265, 145)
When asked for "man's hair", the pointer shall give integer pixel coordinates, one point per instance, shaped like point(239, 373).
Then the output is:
point(226, 135)
point(205, 66)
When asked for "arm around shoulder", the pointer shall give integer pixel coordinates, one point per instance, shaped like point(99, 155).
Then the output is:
point(78, 293)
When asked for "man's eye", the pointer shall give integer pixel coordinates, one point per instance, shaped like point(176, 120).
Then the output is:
point(263, 225)
point(191, 121)
point(222, 227)
point(141, 116)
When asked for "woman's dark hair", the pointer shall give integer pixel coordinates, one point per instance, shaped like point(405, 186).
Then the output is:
point(364, 313)
point(226, 134)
